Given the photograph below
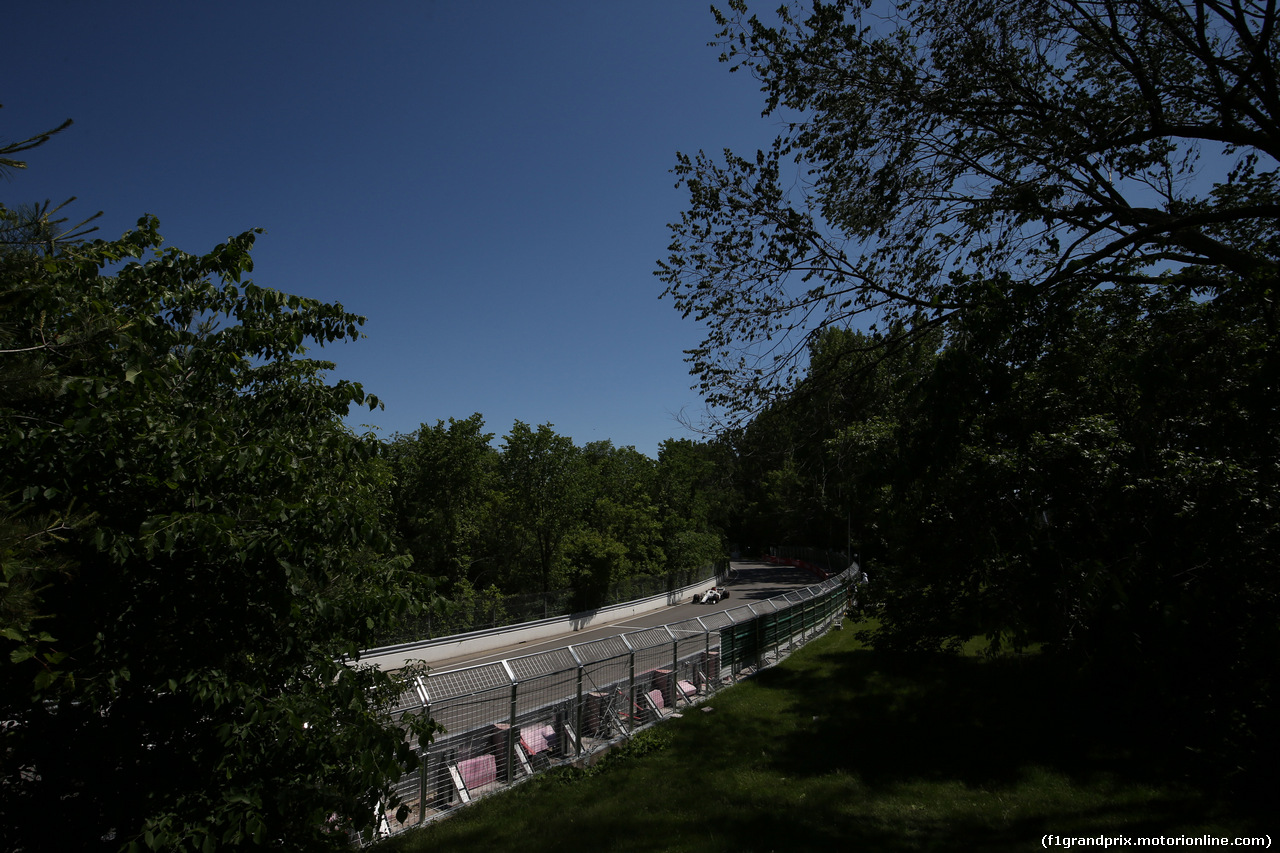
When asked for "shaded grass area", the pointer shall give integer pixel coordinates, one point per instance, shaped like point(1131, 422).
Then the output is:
point(845, 748)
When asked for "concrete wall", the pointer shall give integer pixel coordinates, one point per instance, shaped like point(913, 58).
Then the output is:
point(478, 642)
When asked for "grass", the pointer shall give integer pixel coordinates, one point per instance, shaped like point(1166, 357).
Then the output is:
point(845, 748)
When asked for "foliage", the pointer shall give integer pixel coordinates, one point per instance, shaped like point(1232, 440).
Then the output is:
point(814, 467)
point(596, 560)
point(543, 477)
point(1109, 496)
point(468, 609)
point(28, 228)
point(191, 541)
point(942, 156)
point(539, 517)
point(445, 478)
point(1057, 222)
point(1116, 493)
point(620, 483)
point(696, 499)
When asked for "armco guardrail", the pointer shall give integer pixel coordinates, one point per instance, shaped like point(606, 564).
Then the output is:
point(508, 720)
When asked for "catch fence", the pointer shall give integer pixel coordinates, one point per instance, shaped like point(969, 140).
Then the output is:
point(507, 721)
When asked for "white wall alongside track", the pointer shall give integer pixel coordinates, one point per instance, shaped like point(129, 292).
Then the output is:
point(479, 642)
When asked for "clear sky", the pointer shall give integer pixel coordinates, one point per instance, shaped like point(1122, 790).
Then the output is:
point(487, 182)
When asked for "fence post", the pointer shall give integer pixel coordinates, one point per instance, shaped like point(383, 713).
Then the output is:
point(675, 664)
point(735, 648)
point(424, 775)
point(799, 635)
point(578, 732)
point(631, 686)
point(706, 655)
point(755, 630)
point(511, 732)
point(776, 624)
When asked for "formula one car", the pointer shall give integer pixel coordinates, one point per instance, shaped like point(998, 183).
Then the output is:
point(711, 596)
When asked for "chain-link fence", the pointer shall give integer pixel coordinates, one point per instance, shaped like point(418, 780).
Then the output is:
point(506, 721)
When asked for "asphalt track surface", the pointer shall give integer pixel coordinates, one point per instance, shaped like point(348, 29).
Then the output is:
point(752, 582)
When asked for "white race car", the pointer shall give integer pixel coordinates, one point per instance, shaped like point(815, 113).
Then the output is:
point(711, 596)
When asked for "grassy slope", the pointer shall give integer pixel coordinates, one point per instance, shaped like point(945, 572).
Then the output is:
point(844, 748)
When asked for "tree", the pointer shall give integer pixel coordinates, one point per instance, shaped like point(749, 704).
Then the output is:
point(1109, 499)
point(8, 163)
point(445, 482)
point(1104, 497)
point(32, 227)
point(542, 473)
point(695, 498)
point(815, 466)
point(619, 488)
point(595, 560)
point(191, 542)
point(950, 155)
point(1077, 200)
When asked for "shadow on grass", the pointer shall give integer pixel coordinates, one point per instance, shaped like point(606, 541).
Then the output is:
point(948, 731)
point(914, 716)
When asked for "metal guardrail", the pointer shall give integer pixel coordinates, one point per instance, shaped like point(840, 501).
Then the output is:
point(509, 720)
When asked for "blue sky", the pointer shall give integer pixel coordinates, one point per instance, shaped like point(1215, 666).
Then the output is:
point(488, 182)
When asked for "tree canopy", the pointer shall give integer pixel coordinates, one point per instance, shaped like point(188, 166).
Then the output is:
point(538, 525)
point(191, 540)
point(941, 156)
point(999, 302)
